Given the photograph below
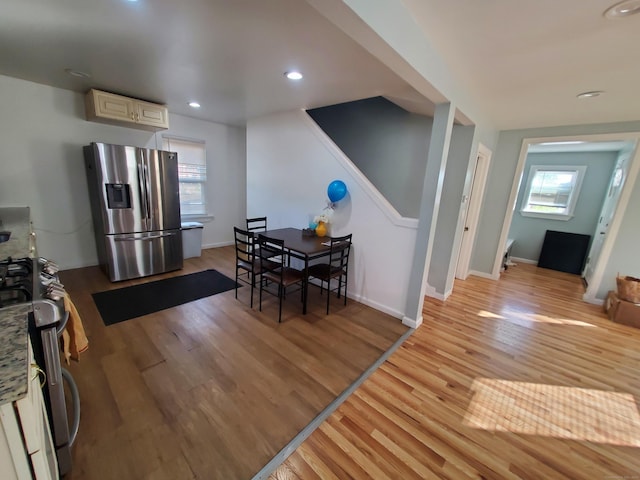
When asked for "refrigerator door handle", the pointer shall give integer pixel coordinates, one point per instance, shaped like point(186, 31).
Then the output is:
point(147, 189)
point(144, 198)
point(149, 237)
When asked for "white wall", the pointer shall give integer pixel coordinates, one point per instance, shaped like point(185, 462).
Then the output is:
point(226, 175)
point(290, 163)
point(42, 131)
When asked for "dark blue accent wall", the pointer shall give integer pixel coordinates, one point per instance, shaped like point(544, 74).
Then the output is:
point(388, 144)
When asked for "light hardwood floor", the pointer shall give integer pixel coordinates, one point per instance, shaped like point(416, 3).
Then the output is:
point(211, 389)
point(515, 379)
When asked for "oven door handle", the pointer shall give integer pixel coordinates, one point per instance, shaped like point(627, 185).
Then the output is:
point(75, 399)
point(63, 324)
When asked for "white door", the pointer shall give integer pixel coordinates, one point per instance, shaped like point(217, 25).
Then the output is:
point(606, 215)
point(472, 205)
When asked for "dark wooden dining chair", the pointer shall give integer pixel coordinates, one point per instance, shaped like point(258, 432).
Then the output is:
point(336, 269)
point(257, 224)
point(246, 260)
point(273, 267)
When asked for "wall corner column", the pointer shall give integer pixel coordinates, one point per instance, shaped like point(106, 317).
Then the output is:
point(429, 206)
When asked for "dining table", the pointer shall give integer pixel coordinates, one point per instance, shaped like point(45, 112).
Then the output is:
point(303, 246)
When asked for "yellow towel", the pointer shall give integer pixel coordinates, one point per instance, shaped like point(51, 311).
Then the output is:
point(74, 340)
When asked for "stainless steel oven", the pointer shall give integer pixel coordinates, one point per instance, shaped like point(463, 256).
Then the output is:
point(35, 281)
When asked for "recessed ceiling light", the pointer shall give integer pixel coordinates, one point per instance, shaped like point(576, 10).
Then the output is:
point(594, 93)
point(194, 104)
point(77, 73)
point(568, 142)
point(623, 9)
point(293, 75)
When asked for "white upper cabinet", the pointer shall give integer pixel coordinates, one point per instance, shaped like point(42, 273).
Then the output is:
point(152, 114)
point(115, 109)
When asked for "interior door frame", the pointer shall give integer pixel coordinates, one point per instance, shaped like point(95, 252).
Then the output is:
point(607, 211)
point(480, 173)
point(614, 227)
point(592, 289)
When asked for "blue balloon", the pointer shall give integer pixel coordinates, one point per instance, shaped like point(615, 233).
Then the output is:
point(336, 190)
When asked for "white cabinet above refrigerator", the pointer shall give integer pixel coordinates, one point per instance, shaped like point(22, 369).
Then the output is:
point(105, 107)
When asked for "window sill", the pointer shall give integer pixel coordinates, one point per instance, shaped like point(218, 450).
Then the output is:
point(548, 216)
point(197, 217)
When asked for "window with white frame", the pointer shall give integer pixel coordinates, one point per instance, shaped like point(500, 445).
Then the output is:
point(192, 174)
point(552, 191)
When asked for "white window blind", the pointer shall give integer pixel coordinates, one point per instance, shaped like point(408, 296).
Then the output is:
point(192, 173)
point(552, 191)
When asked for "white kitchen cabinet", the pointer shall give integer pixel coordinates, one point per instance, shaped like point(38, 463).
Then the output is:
point(14, 462)
point(105, 107)
point(26, 445)
point(152, 115)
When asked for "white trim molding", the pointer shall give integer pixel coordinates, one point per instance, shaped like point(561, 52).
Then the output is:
point(574, 193)
point(614, 227)
point(593, 300)
point(478, 174)
point(524, 260)
point(411, 323)
point(497, 262)
point(489, 276)
point(217, 244)
point(433, 293)
point(377, 306)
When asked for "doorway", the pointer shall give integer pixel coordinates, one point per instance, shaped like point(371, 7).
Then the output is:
point(472, 205)
point(597, 262)
point(614, 190)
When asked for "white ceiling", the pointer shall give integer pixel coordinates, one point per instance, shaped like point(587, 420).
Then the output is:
point(524, 62)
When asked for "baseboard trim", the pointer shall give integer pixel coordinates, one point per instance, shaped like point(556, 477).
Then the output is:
point(411, 323)
point(291, 447)
point(217, 244)
point(73, 266)
point(431, 292)
point(484, 275)
point(524, 260)
point(378, 306)
point(369, 303)
point(592, 300)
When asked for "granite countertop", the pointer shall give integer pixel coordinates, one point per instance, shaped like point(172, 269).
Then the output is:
point(14, 336)
point(14, 352)
point(21, 244)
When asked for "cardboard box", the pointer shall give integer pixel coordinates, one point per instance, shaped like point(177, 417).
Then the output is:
point(621, 311)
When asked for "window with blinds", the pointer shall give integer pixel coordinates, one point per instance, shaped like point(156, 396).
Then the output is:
point(192, 173)
point(552, 191)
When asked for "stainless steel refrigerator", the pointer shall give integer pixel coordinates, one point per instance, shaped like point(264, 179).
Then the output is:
point(135, 201)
